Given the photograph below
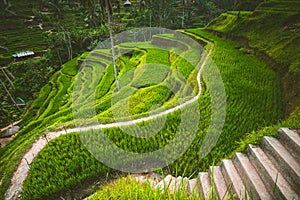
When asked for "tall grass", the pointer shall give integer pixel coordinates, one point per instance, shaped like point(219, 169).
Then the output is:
point(253, 101)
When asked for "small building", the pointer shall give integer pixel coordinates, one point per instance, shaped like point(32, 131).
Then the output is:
point(23, 54)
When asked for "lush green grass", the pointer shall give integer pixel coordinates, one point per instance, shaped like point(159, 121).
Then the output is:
point(277, 5)
point(158, 56)
point(67, 158)
point(33, 125)
point(136, 73)
point(139, 106)
point(53, 108)
point(150, 74)
point(136, 105)
point(273, 43)
point(127, 188)
point(279, 46)
point(253, 102)
point(72, 163)
point(248, 78)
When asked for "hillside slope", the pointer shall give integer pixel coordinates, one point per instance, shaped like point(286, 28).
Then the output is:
point(53, 110)
point(252, 90)
point(273, 32)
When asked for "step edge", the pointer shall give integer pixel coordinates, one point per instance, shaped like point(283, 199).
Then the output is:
point(270, 180)
point(259, 192)
point(234, 179)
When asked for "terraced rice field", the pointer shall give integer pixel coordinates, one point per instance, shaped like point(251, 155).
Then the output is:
point(252, 95)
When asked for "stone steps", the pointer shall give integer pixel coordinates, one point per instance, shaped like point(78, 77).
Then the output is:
point(291, 142)
point(283, 160)
point(268, 171)
point(270, 175)
point(205, 184)
point(218, 182)
point(193, 186)
point(233, 178)
point(251, 178)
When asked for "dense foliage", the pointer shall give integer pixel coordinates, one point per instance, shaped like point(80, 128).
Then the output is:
point(252, 89)
point(73, 164)
point(244, 107)
point(58, 31)
point(55, 31)
point(279, 46)
point(128, 188)
point(53, 107)
point(179, 14)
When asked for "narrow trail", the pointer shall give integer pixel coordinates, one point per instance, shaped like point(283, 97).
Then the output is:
point(21, 173)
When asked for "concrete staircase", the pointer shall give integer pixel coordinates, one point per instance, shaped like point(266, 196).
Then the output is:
point(268, 171)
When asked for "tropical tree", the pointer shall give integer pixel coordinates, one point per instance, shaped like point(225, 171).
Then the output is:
point(93, 10)
point(160, 13)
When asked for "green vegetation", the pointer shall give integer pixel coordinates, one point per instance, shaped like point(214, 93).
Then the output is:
point(53, 108)
point(11, 40)
point(37, 25)
point(155, 83)
point(127, 188)
point(61, 30)
point(34, 124)
point(117, 136)
point(237, 70)
point(55, 31)
point(72, 163)
point(279, 46)
point(249, 86)
point(277, 6)
point(253, 109)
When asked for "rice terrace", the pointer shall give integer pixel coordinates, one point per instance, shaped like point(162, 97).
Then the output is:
point(150, 99)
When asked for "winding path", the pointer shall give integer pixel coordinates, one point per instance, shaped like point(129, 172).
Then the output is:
point(21, 173)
